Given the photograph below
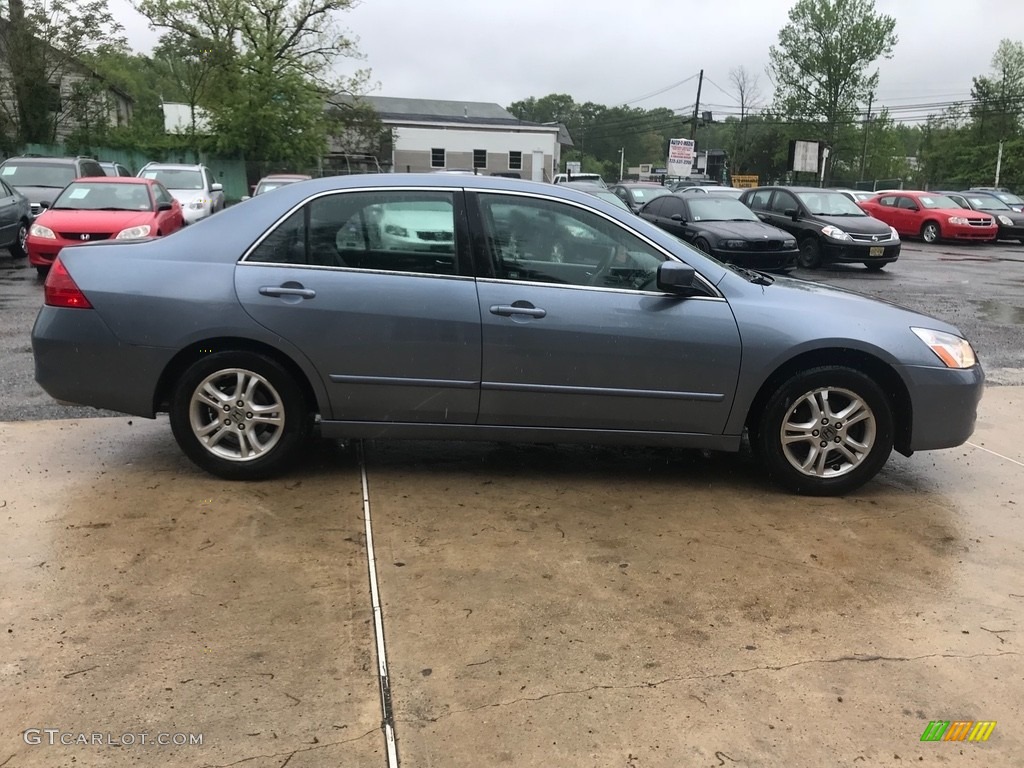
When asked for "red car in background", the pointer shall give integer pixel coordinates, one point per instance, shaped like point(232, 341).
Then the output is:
point(929, 216)
point(102, 208)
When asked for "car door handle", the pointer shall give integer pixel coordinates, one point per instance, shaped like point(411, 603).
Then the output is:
point(281, 290)
point(507, 310)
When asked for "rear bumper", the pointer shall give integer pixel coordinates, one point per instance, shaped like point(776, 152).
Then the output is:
point(79, 360)
point(945, 404)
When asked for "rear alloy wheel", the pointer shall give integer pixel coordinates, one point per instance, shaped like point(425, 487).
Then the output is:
point(239, 415)
point(825, 431)
point(810, 253)
point(930, 232)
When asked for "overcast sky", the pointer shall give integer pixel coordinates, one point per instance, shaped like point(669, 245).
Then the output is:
point(616, 51)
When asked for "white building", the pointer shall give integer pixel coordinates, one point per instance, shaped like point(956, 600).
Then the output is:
point(178, 118)
point(430, 135)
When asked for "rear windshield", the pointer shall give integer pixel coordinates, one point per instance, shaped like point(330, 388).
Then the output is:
point(25, 173)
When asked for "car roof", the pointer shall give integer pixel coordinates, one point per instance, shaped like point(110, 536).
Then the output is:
point(297, 176)
point(54, 160)
point(172, 166)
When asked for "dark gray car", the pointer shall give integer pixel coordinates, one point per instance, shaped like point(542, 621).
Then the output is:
point(15, 219)
point(415, 306)
point(41, 179)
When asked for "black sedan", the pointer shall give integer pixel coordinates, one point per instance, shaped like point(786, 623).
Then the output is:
point(725, 228)
point(1009, 221)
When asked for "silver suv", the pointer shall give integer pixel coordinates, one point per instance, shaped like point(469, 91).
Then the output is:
point(191, 185)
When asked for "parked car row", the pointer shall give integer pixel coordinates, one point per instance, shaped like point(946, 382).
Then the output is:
point(47, 203)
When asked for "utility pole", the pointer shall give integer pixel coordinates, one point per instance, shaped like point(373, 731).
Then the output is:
point(696, 107)
point(999, 162)
point(622, 162)
point(867, 121)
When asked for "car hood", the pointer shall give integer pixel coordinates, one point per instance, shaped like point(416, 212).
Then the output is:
point(93, 221)
point(954, 212)
point(745, 230)
point(857, 225)
point(40, 194)
point(186, 196)
point(1017, 217)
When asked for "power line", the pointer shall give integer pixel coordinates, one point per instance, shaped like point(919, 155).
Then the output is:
point(658, 92)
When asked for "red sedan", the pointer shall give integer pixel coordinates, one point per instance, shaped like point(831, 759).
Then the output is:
point(930, 217)
point(102, 208)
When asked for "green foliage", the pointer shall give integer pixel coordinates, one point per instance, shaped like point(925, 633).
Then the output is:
point(820, 65)
point(49, 91)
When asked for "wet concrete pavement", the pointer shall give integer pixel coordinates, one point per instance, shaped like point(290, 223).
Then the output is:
point(541, 606)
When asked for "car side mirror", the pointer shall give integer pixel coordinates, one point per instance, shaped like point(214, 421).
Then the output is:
point(793, 213)
point(675, 277)
point(44, 204)
point(216, 187)
point(164, 206)
point(678, 217)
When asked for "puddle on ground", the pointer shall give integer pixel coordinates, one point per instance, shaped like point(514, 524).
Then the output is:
point(998, 312)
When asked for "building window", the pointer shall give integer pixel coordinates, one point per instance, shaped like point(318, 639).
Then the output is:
point(437, 158)
point(515, 161)
point(479, 158)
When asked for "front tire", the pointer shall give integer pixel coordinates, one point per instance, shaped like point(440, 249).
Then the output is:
point(239, 415)
point(810, 253)
point(930, 232)
point(825, 431)
point(702, 245)
point(874, 266)
point(18, 249)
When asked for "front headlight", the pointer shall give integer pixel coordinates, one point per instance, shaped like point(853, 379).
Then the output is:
point(734, 244)
point(958, 220)
point(895, 234)
point(38, 230)
point(951, 350)
point(197, 205)
point(1006, 221)
point(397, 231)
point(789, 244)
point(134, 233)
point(835, 233)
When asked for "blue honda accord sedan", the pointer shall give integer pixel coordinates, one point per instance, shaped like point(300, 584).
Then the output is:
point(431, 306)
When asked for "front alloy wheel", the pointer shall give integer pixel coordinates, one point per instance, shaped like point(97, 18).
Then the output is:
point(930, 232)
point(826, 431)
point(239, 415)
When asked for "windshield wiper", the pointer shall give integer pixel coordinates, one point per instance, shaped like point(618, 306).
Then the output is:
point(755, 277)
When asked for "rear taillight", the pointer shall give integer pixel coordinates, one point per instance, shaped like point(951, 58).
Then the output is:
point(60, 290)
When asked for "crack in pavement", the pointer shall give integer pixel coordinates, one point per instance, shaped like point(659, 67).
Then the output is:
point(292, 752)
point(860, 657)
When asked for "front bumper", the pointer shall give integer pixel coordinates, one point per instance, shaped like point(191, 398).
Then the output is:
point(768, 260)
point(854, 252)
point(192, 215)
point(967, 232)
point(945, 405)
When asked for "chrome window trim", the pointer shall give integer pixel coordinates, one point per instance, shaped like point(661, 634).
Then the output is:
point(563, 286)
point(259, 241)
point(354, 270)
point(668, 254)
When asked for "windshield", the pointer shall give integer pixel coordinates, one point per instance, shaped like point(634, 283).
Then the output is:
point(176, 178)
point(720, 209)
point(937, 201)
point(984, 202)
point(29, 174)
point(646, 194)
point(1009, 198)
point(104, 196)
point(610, 197)
point(829, 204)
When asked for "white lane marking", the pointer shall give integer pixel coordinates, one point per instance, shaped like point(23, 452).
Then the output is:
point(983, 448)
point(388, 722)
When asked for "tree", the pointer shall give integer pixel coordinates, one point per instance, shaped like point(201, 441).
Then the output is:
point(271, 71)
point(748, 94)
point(49, 87)
point(999, 97)
point(820, 65)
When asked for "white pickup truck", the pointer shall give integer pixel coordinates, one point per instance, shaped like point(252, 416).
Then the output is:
point(590, 178)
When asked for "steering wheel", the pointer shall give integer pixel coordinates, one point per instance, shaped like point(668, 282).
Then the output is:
point(603, 267)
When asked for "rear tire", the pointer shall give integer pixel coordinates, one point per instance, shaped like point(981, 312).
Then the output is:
point(18, 248)
point(825, 431)
point(810, 253)
point(239, 415)
point(42, 272)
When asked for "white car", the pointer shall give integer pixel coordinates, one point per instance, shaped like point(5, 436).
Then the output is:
point(417, 227)
point(592, 178)
point(191, 185)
